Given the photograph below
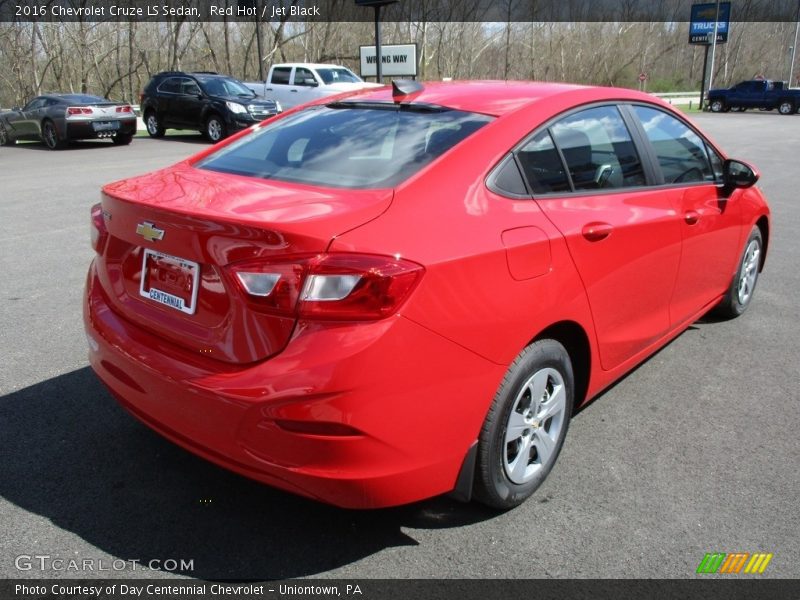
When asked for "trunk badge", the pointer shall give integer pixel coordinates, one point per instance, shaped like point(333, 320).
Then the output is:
point(149, 231)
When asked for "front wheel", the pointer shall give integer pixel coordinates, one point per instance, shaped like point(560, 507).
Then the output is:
point(215, 129)
point(740, 292)
point(526, 425)
point(786, 107)
point(50, 136)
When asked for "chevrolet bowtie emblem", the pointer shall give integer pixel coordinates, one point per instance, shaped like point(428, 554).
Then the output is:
point(149, 231)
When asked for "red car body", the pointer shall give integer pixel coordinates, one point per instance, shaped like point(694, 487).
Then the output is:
point(385, 410)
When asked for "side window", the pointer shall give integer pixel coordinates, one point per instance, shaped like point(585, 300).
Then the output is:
point(281, 75)
point(681, 153)
point(170, 85)
point(598, 149)
point(304, 77)
point(507, 179)
point(542, 165)
point(189, 87)
point(35, 104)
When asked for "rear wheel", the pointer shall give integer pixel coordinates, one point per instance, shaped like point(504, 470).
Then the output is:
point(122, 139)
point(5, 139)
point(717, 106)
point(215, 129)
point(154, 127)
point(786, 107)
point(740, 292)
point(50, 136)
point(526, 425)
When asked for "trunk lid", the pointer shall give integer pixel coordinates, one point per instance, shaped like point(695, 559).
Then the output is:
point(209, 220)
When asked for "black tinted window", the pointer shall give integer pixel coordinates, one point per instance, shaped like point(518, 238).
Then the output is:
point(598, 149)
point(507, 179)
point(281, 74)
point(304, 77)
point(171, 85)
point(542, 165)
point(354, 147)
point(680, 151)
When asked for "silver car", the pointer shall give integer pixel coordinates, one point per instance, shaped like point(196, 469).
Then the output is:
point(56, 119)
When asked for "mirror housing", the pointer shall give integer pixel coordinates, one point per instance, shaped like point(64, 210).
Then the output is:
point(738, 174)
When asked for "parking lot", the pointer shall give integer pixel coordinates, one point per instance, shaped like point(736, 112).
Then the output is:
point(695, 451)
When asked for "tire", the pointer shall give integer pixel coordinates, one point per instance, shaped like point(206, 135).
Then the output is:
point(5, 139)
point(525, 427)
point(50, 136)
point(154, 127)
point(122, 139)
point(786, 107)
point(215, 129)
point(717, 106)
point(743, 286)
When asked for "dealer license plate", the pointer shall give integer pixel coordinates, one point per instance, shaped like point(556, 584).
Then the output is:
point(170, 280)
point(105, 125)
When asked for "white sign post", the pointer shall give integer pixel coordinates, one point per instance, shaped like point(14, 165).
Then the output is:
point(399, 60)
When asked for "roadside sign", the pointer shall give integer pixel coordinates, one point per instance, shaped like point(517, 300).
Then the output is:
point(701, 26)
point(398, 60)
point(642, 77)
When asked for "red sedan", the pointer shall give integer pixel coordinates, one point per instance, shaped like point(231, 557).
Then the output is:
point(406, 291)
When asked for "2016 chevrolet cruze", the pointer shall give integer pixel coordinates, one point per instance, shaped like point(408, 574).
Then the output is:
point(406, 291)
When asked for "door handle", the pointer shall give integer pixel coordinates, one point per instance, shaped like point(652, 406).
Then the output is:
point(293, 90)
point(596, 231)
point(691, 217)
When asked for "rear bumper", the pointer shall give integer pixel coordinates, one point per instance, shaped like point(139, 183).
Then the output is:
point(356, 415)
point(82, 130)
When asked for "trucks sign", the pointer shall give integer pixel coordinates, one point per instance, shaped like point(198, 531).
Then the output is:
point(702, 22)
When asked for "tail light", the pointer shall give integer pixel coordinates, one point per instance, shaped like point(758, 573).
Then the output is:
point(98, 230)
point(348, 287)
point(79, 110)
point(125, 109)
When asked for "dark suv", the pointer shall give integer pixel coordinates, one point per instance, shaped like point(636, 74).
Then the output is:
point(215, 105)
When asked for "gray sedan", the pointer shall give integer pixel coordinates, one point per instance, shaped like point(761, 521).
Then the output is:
point(58, 118)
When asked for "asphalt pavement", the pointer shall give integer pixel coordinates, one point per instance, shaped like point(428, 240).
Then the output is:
point(696, 451)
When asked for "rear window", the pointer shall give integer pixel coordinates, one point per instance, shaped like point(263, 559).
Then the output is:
point(348, 146)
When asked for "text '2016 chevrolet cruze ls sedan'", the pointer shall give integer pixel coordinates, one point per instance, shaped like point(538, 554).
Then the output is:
point(406, 291)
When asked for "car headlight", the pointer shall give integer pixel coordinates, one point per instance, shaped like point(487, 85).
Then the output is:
point(236, 108)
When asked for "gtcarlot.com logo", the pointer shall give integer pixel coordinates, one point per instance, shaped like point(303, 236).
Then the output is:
point(734, 563)
point(45, 562)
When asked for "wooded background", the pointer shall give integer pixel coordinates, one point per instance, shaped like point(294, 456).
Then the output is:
point(117, 59)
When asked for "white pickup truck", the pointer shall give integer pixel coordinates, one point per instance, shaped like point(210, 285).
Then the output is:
point(295, 83)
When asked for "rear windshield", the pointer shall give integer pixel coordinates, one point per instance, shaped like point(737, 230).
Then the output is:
point(351, 147)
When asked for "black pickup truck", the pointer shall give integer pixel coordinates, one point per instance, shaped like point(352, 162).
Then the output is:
point(758, 93)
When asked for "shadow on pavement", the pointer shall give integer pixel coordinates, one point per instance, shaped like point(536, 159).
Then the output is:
point(77, 459)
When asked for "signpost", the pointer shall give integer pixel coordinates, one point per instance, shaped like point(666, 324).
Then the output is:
point(376, 4)
point(709, 25)
point(398, 60)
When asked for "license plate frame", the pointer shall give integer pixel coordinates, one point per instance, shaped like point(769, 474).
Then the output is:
point(105, 125)
point(172, 267)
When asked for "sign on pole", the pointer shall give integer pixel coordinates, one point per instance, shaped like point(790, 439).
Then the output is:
point(398, 60)
point(702, 22)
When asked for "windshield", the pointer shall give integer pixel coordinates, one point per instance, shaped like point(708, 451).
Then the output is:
point(354, 146)
point(219, 86)
point(340, 75)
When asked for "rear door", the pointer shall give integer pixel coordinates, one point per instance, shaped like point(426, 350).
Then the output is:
point(623, 236)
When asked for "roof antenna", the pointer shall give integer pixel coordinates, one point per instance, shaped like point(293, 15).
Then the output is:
point(404, 87)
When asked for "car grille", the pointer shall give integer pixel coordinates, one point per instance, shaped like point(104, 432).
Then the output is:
point(261, 110)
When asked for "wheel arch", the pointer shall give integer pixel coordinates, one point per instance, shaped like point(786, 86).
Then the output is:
point(763, 226)
point(575, 340)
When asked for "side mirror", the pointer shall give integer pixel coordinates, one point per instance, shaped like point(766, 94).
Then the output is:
point(738, 174)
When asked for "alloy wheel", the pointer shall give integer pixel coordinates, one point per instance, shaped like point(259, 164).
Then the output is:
point(749, 271)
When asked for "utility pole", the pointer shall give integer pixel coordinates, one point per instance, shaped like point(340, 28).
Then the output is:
point(376, 5)
point(794, 46)
point(713, 47)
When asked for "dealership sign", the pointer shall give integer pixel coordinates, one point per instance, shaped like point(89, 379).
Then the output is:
point(701, 26)
point(397, 60)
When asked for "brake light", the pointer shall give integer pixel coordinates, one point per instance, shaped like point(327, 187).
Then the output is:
point(79, 110)
point(98, 231)
point(329, 286)
point(124, 109)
